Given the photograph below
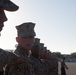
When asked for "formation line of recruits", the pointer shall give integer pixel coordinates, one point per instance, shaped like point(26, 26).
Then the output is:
point(30, 56)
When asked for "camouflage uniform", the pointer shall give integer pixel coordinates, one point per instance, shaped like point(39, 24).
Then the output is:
point(53, 66)
point(38, 66)
point(23, 68)
point(6, 57)
point(51, 62)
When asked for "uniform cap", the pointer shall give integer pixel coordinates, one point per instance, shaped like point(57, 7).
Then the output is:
point(8, 5)
point(45, 48)
point(41, 45)
point(26, 29)
point(37, 41)
point(48, 51)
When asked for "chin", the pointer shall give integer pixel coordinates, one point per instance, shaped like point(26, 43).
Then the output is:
point(28, 48)
point(0, 29)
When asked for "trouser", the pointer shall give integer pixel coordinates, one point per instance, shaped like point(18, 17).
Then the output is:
point(63, 72)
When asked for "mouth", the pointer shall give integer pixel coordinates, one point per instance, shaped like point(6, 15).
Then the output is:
point(28, 44)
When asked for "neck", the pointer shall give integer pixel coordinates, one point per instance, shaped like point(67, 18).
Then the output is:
point(22, 50)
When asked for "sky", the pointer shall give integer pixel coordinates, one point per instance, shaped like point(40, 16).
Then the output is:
point(55, 24)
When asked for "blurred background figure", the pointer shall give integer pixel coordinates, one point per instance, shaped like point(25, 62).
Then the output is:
point(63, 66)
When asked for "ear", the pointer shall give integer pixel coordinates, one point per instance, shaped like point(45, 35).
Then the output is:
point(17, 39)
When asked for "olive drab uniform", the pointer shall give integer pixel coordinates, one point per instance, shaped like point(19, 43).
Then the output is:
point(6, 57)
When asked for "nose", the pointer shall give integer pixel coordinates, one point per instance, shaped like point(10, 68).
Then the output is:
point(3, 17)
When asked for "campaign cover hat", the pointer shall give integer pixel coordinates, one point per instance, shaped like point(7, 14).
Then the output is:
point(37, 41)
point(26, 29)
point(8, 5)
point(41, 46)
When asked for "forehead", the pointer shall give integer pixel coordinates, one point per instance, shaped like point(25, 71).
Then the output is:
point(27, 37)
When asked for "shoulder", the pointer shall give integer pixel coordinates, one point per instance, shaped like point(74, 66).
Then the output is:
point(2, 52)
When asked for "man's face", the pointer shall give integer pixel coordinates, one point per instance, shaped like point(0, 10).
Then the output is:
point(3, 18)
point(41, 53)
point(44, 53)
point(26, 42)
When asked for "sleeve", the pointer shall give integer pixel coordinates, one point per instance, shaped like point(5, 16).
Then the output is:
point(12, 57)
point(3, 59)
point(7, 57)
